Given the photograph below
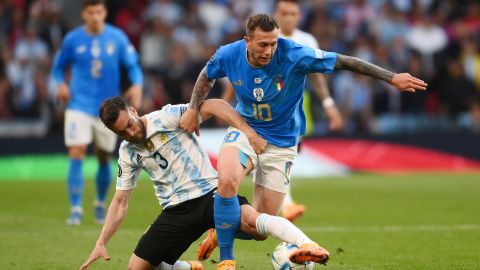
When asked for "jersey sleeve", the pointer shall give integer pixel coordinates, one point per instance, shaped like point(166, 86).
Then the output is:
point(128, 172)
point(62, 60)
point(215, 68)
point(130, 61)
point(315, 60)
point(171, 114)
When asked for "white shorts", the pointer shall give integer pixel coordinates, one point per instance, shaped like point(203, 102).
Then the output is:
point(272, 168)
point(83, 129)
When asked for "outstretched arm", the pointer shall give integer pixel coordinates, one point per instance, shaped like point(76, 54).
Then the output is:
point(402, 81)
point(225, 112)
point(115, 215)
point(189, 121)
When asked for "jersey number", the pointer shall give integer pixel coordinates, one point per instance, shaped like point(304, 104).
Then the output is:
point(232, 136)
point(160, 160)
point(262, 112)
point(96, 68)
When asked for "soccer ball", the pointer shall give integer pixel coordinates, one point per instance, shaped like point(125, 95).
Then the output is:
point(280, 259)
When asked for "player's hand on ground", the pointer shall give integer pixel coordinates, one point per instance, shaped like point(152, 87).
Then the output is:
point(189, 121)
point(334, 118)
point(63, 93)
point(98, 252)
point(258, 143)
point(408, 83)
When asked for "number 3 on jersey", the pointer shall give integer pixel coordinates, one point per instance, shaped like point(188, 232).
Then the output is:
point(262, 112)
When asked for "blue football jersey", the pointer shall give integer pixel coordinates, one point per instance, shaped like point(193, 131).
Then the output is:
point(270, 97)
point(95, 62)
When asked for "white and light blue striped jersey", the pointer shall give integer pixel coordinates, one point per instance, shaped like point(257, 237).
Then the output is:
point(178, 167)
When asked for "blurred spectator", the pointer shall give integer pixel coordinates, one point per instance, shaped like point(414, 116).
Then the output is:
point(456, 91)
point(167, 10)
point(475, 114)
point(26, 72)
point(175, 39)
point(128, 19)
point(427, 38)
point(470, 57)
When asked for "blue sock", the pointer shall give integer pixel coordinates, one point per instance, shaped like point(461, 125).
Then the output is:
point(227, 221)
point(75, 182)
point(104, 178)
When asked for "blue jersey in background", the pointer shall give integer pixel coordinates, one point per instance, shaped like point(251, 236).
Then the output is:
point(95, 62)
point(270, 97)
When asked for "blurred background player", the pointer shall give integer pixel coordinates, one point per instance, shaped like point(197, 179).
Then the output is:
point(95, 52)
point(288, 16)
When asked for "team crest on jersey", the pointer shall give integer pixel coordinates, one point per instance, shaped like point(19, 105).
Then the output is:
point(258, 94)
point(149, 145)
point(278, 82)
point(95, 50)
point(164, 137)
point(258, 80)
point(110, 48)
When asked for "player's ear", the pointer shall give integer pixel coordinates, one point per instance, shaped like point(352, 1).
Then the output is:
point(133, 110)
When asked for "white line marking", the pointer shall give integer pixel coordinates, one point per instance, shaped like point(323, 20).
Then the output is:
point(394, 228)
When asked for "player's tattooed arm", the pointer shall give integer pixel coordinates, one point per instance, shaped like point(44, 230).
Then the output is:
point(401, 81)
point(201, 89)
point(363, 67)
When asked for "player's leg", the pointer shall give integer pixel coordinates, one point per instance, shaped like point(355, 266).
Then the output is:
point(263, 225)
point(105, 142)
point(175, 229)
point(272, 178)
point(233, 158)
point(290, 209)
point(137, 263)
point(77, 135)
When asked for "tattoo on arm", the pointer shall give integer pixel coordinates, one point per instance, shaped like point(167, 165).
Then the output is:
point(363, 67)
point(200, 90)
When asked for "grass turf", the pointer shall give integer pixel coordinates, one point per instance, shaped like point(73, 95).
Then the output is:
point(420, 221)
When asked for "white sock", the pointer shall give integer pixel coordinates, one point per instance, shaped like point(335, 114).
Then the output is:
point(77, 209)
point(288, 200)
point(179, 265)
point(281, 229)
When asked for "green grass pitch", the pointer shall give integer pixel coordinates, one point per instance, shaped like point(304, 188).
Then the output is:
point(415, 221)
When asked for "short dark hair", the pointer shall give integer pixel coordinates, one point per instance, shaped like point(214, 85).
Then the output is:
point(110, 110)
point(263, 21)
point(87, 3)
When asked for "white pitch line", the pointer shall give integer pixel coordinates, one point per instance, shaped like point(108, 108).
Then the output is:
point(394, 228)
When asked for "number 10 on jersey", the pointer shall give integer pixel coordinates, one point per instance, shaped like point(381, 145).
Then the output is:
point(262, 112)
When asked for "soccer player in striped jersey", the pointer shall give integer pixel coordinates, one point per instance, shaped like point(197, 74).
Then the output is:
point(268, 74)
point(184, 182)
point(94, 52)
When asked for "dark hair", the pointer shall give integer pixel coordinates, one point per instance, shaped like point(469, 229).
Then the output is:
point(263, 21)
point(110, 110)
point(87, 3)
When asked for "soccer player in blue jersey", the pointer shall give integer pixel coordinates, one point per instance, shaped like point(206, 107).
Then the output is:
point(268, 74)
point(94, 52)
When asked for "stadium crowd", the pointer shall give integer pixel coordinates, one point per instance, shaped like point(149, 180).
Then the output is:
point(436, 40)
